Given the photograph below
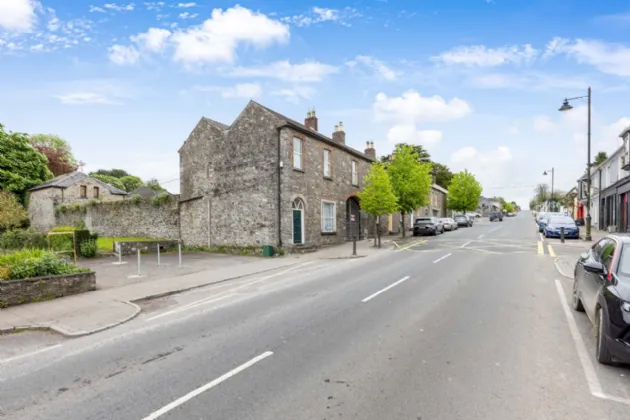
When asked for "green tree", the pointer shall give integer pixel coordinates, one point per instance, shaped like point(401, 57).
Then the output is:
point(443, 174)
point(21, 166)
point(423, 155)
point(114, 182)
point(58, 152)
point(600, 158)
point(377, 197)
point(154, 184)
point(411, 180)
point(12, 214)
point(542, 193)
point(464, 192)
point(131, 182)
point(115, 173)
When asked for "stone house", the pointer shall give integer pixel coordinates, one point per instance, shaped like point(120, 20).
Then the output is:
point(269, 180)
point(75, 187)
point(436, 207)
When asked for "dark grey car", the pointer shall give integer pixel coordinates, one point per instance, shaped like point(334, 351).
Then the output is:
point(427, 226)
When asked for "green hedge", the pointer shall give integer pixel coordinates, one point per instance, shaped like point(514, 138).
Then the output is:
point(18, 239)
point(29, 263)
point(64, 242)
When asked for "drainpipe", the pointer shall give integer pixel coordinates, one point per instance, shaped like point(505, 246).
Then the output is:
point(279, 169)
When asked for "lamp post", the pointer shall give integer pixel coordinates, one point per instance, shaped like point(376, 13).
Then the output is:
point(552, 178)
point(566, 106)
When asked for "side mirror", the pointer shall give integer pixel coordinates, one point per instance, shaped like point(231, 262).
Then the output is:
point(595, 267)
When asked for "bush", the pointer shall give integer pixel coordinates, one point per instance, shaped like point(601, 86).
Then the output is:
point(92, 202)
point(64, 242)
point(18, 239)
point(135, 199)
point(88, 248)
point(29, 263)
point(12, 214)
point(161, 198)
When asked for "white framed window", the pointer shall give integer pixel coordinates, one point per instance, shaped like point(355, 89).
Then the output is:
point(329, 220)
point(327, 164)
point(355, 175)
point(297, 153)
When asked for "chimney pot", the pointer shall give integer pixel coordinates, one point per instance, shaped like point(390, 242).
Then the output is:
point(369, 151)
point(340, 126)
point(313, 112)
point(311, 120)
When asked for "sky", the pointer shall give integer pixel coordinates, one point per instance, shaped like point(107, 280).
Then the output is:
point(476, 82)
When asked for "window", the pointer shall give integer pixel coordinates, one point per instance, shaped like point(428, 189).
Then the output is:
point(83, 191)
point(608, 251)
point(96, 192)
point(328, 217)
point(297, 153)
point(327, 165)
point(355, 175)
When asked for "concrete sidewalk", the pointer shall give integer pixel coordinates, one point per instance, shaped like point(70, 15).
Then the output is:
point(91, 312)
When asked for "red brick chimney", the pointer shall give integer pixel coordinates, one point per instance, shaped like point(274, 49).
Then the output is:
point(369, 149)
point(311, 120)
point(339, 135)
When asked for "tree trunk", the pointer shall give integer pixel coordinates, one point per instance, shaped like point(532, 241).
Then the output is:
point(378, 229)
point(402, 224)
point(375, 230)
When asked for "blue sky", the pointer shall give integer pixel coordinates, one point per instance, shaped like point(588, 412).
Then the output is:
point(477, 82)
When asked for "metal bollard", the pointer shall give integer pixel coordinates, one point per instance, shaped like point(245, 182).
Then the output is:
point(120, 261)
point(139, 275)
point(562, 234)
point(158, 254)
point(179, 248)
point(354, 245)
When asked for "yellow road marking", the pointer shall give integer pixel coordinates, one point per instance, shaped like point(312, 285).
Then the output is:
point(413, 244)
point(541, 250)
point(553, 254)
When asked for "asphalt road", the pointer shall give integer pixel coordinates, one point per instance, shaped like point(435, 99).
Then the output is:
point(467, 325)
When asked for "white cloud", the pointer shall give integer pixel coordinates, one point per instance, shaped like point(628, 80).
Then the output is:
point(310, 71)
point(527, 81)
point(186, 5)
point(482, 56)
point(609, 58)
point(155, 5)
point(187, 15)
point(491, 167)
point(123, 55)
point(513, 130)
point(153, 40)
point(243, 90)
point(86, 98)
point(97, 9)
point(375, 66)
point(412, 108)
point(119, 7)
point(544, 124)
point(408, 133)
point(296, 93)
point(321, 14)
point(17, 15)
point(217, 38)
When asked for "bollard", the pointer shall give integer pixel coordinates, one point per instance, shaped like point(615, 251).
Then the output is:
point(354, 245)
point(179, 249)
point(120, 261)
point(562, 234)
point(158, 252)
point(139, 275)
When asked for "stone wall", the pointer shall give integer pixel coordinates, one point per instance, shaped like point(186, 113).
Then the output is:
point(41, 208)
point(126, 218)
point(16, 292)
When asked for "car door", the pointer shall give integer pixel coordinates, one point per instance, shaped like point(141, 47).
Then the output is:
point(584, 278)
point(593, 282)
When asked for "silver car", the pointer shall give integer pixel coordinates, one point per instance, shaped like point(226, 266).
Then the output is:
point(449, 223)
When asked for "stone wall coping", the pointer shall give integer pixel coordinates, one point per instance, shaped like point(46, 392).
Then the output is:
point(36, 279)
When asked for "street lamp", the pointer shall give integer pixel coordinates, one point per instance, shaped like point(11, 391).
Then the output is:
point(566, 106)
point(552, 177)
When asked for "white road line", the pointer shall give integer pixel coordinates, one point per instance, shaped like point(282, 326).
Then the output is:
point(495, 229)
point(440, 259)
point(480, 236)
point(206, 387)
point(589, 370)
point(21, 356)
point(542, 238)
point(464, 246)
point(224, 294)
point(372, 296)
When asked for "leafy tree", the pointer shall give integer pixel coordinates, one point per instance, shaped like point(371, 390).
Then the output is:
point(377, 197)
point(423, 155)
point(532, 204)
point(21, 166)
point(115, 173)
point(509, 207)
point(542, 193)
point(411, 180)
point(114, 182)
point(12, 214)
point(154, 184)
point(131, 182)
point(58, 152)
point(443, 174)
point(464, 192)
point(600, 158)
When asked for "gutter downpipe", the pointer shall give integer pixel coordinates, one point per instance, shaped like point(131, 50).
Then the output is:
point(279, 169)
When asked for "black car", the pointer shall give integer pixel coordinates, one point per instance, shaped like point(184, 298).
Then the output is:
point(462, 221)
point(601, 288)
point(427, 226)
point(496, 215)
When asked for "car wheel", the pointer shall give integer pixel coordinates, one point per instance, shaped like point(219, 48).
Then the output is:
point(601, 351)
point(576, 303)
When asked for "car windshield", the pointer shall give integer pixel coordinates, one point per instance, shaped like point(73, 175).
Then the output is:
point(561, 221)
point(423, 220)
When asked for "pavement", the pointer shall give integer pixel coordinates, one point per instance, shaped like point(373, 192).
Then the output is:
point(120, 288)
point(471, 325)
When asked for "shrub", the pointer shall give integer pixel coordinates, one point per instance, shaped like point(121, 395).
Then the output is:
point(92, 202)
point(12, 214)
point(88, 248)
point(161, 198)
point(18, 239)
point(135, 199)
point(29, 263)
point(63, 208)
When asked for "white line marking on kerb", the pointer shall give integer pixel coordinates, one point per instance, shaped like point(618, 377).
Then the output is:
point(206, 387)
point(542, 238)
point(440, 259)
point(372, 296)
point(464, 246)
point(21, 356)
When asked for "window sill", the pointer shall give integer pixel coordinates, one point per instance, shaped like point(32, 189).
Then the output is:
point(355, 185)
point(329, 233)
point(328, 178)
point(298, 170)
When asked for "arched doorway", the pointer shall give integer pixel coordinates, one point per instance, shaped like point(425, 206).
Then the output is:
point(353, 219)
point(298, 221)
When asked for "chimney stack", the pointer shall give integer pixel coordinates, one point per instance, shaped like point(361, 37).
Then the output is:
point(311, 120)
point(339, 135)
point(369, 149)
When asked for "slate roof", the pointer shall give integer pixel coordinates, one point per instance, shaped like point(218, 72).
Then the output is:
point(145, 192)
point(67, 180)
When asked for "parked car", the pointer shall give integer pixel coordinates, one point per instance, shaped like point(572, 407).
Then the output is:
point(462, 220)
point(601, 288)
point(427, 226)
point(555, 224)
point(449, 223)
point(495, 215)
point(539, 216)
point(545, 219)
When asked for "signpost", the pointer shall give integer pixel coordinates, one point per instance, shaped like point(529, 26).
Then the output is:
point(353, 226)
